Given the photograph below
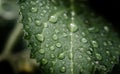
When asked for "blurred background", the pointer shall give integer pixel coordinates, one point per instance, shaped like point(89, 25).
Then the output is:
point(109, 9)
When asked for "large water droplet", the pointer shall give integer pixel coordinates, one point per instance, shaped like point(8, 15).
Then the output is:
point(44, 61)
point(98, 56)
point(61, 56)
point(84, 40)
point(37, 22)
point(52, 48)
point(33, 9)
point(73, 27)
point(55, 37)
point(58, 45)
point(63, 69)
point(95, 44)
point(52, 56)
point(53, 19)
point(40, 37)
point(42, 51)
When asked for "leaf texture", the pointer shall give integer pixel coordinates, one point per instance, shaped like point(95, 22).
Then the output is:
point(66, 37)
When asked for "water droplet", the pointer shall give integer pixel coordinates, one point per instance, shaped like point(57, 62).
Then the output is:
point(34, 9)
point(98, 56)
point(95, 44)
point(42, 51)
point(63, 69)
point(53, 63)
point(91, 28)
point(29, 19)
point(55, 37)
point(84, 40)
point(81, 49)
point(40, 37)
point(108, 52)
point(83, 34)
point(44, 61)
point(64, 34)
point(52, 48)
point(51, 70)
point(58, 45)
point(32, 3)
point(106, 28)
point(103, 68)
point(73, 27)
point(88, 58)
point(52, 56)
point(65, 16)
point(88, 52)
point(56, 31)
point(61, 56)
point(37, 22)
point(109, 42)
point(53, 19)
point(46, 45)
point(44, 11)
point(104, 43)
point(45, 25)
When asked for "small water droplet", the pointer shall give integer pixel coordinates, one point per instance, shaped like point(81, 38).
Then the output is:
point(61, 56)
point(105, 43)
point(46, 45)
point(64, 34)
point(81, 49)
point(53, 63)
point(44, 11)
point(109, 42)
point(73, 27)
point(34, 9)
point(95, 44)
point(44, 61)
point(106, 28)
point(108, 52)
point(40, 37)
point(88, 58)
point(63, 69)
point(84, 40)
point(83, 34)
point(52, 56)
point(88, 52)
point(98, 56)
point(55, 37)
point(32, 3)
point(42, 51)
point(53, 19)
point(56, 31)
point(65, 16)
point(58, 45)
point(91, 28)
point(37, 22)
point(52, 48)
point(45, 25)
point(29, 19)
point(51, 70)
point(103, 68)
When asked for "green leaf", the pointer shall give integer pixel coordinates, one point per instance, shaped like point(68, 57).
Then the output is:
point(66, 37)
